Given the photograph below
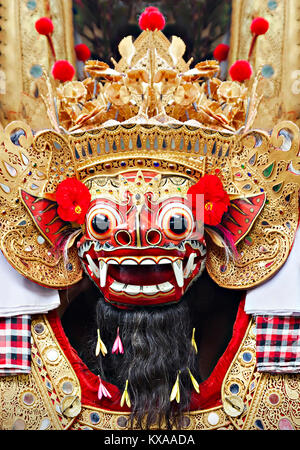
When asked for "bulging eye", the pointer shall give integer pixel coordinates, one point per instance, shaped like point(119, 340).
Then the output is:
point(176, 221)
point(101, 221)
point(178, 224)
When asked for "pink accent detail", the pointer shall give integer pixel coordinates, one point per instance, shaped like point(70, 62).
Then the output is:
point(118, 346)
point(102, 391)
point(285, 424)
point(229, 238)
point(269, 264)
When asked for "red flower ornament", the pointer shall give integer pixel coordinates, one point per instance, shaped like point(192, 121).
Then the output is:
point(152, 19)
point(216, 199)
point(73, 199)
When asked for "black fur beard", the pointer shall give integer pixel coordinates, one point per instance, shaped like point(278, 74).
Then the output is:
point(157, 345)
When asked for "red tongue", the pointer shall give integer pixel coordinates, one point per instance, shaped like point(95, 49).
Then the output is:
point(141, 275)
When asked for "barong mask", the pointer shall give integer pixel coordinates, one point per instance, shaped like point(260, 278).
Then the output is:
point(115, 193)
point(141, 245)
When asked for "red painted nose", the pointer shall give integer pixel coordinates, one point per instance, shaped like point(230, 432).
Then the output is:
point(123, 237)
point(153, 236)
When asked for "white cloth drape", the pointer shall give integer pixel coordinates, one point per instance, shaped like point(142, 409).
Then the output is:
point(281, 294)
point(21, 296)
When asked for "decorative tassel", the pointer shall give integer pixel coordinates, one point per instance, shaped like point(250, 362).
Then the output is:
point(258, 27)
point(44, 26)
point(102, 391)
point(50, 42)
point(118, 346)
point(100, 345)
point(194, 381)
point(193, 342)
point(125, 396)
point(175, 393)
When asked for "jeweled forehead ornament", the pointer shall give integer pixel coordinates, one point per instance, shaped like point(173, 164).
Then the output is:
point(113, 188)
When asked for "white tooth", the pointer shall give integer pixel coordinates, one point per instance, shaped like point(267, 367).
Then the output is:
point(129, 262)
point(112, 261)
point(84, 248)
point(92, 265)
point(97, 246)
point(150, 290)
point(147, 261)
point(202, 250)
point(87, 245)
point(103, 272)
point(165, 287)
point(132, 289)
point(116, 286)
point(203, 264)
point(181, 246)
point(189, 265)
point(178, 271)
point(164, 261)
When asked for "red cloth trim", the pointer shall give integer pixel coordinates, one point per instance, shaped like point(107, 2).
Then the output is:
point(210, 389)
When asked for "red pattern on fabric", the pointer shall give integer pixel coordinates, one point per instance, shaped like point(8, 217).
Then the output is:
point(210, 389)
point(15, 345)
point(278, 344)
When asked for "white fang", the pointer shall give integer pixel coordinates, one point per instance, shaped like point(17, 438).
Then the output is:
point(190, 266)
point(102, 272)
point(178, 271)
point(92, 265)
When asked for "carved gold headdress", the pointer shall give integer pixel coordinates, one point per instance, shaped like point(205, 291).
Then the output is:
point(151, 112)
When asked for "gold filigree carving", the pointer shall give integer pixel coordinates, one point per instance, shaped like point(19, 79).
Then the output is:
point(24, 54)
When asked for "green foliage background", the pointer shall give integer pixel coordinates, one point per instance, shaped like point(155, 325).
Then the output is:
point(202, 24)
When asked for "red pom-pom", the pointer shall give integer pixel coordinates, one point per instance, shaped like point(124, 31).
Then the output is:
point(44, 26)
point(63, 71)
point(216, 199)
point(241, 70)
point(259, 26)
point(73, 199)
point(82, 51)
point(151, 9)
point(152, 19)
point(221, 52)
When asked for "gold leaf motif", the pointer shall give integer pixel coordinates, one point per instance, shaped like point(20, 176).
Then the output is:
point(125, 396)
point(193, 342)
point(175, 393)
point(194, 382)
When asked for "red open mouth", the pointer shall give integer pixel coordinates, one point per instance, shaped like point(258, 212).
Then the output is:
point(143, 276)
